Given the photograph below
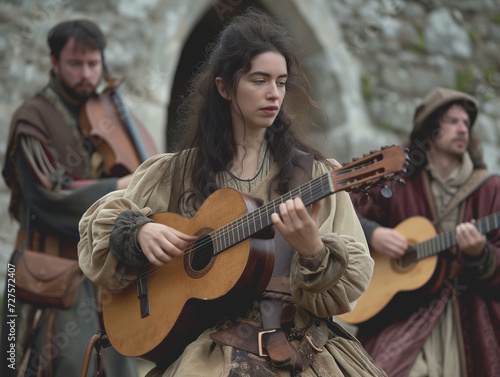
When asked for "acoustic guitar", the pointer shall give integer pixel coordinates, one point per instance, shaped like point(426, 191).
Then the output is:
point(232, 260)
point(413, 270)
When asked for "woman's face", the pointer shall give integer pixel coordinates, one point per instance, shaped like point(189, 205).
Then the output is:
point(260, 93)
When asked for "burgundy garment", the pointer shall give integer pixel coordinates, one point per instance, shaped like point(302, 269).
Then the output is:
point(395, 340)
point(396, 348)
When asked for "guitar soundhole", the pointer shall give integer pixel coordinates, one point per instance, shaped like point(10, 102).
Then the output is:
point(408, 259)
point(201, 253)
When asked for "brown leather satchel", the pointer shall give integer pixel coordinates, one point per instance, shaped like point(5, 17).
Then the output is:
point(47, 280)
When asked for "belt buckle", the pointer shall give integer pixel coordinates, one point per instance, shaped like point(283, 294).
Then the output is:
point(311, 343)
point(259, 341)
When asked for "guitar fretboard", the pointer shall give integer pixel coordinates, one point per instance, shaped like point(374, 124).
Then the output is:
point(447, 240)
point(256, 221)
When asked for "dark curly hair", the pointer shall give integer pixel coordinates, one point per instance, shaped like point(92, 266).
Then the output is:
point(205, 115)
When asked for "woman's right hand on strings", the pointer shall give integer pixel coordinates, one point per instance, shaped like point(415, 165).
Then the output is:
point(388, 241)
point(161, 243)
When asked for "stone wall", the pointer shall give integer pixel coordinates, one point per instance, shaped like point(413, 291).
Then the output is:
point(408, 48)
point(137, 33)
point(370, 62)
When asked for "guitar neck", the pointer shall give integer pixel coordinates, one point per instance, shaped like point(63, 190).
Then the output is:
point(361, 173)
point(447, 240)
point(256, 221)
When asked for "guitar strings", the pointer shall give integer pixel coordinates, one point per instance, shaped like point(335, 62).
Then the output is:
point(448, 239)
point(316, 188)
point(273, 206)
point(315, 185)
point(484, 225)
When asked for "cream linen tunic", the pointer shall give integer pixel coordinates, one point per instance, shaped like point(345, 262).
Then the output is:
point(332, 289)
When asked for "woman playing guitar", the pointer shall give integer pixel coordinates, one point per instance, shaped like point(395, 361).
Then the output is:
point(195, 219)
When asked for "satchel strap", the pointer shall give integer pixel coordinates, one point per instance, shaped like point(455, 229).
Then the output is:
point(27, 238)
point(23, 235)
point(280, 351)
point(65, 248)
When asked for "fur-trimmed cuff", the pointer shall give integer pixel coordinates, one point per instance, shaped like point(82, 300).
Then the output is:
point(123, 239)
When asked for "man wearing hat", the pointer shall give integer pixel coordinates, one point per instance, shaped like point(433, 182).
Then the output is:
point(450, 326)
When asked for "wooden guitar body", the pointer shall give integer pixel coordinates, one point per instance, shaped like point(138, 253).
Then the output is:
point(418, 268)
point(389, 278)
point(181, 291)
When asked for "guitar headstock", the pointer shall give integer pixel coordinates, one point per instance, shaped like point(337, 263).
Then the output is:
point(373, 169)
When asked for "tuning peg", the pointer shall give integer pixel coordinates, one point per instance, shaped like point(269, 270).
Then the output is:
point(364, 199)
point(400, 181)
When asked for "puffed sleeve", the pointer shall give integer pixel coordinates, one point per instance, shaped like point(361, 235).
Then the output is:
point(148, 192)
point(345, 272)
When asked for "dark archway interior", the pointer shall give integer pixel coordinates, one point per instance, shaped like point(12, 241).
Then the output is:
point(193, 54)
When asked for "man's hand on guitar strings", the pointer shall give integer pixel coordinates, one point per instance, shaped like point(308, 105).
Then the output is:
point(389, 241)
point(469, 239)
point(161, 243)
point(299, 228)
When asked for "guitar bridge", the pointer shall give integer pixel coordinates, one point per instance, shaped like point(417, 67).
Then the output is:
point(142, 292)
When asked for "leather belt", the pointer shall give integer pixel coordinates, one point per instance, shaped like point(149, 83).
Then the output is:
point(279, 284)
point(251, 337)
point(278, 288)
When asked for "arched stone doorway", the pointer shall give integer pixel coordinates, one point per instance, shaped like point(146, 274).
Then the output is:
point(335, 73)
point(194, 53)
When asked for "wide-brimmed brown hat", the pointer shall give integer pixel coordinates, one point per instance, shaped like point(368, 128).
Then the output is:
point(439, 97)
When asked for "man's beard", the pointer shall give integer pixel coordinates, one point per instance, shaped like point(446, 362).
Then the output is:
point(75, 94)
point(457, 153)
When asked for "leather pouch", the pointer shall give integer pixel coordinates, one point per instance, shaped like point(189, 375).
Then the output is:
point(47, 280)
